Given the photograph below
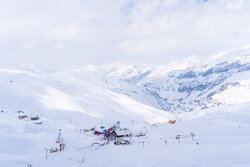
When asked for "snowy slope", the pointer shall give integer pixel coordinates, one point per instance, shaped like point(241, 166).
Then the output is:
point(45, 92)
point(63, 102)
point(221, 138)
point(139, 96)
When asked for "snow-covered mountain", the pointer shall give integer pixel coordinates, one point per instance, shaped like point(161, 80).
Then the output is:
point(65, 95)
point(178, 89)
point(170, 87)
point(136, 95)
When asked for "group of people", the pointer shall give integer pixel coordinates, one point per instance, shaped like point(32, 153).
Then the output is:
point(62, 145)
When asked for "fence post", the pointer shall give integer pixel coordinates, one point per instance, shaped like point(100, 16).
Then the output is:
point(179, 138)
point(166, 141)
point(192, 134)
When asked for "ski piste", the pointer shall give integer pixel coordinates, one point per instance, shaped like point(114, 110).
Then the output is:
point(76, 104)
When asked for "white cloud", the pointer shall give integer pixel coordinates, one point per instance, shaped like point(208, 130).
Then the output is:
point(235, 4)
point(28, 45)
point(62, 33)
point(81, 32)
point(146, 45)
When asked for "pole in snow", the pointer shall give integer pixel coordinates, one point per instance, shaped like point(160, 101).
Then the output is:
point(143, 144)
point(166, 142)
point(46, 152)
point(83, 159)
point(179, 138)
point(192, 134)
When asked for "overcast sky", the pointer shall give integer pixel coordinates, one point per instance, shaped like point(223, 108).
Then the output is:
point(62, 33)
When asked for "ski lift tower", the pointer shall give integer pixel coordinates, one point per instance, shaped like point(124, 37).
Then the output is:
point(59, 137)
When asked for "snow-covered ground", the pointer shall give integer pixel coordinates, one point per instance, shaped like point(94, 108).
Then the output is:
point(221, 138)
point(73, 100)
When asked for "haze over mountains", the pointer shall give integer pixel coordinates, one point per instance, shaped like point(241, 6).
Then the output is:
point(175, 87)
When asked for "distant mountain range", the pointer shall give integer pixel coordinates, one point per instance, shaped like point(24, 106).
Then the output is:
point(174, 87)
point(194, 88)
